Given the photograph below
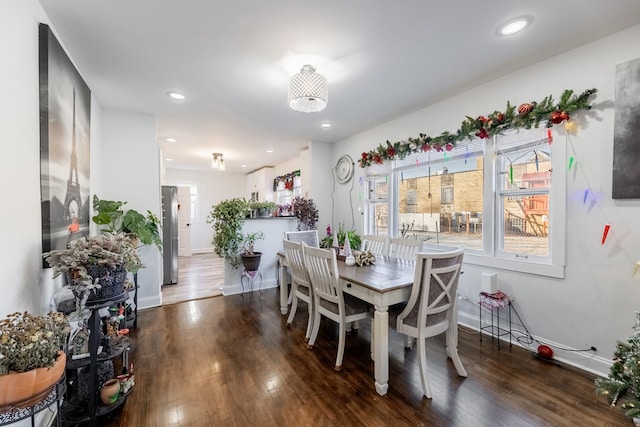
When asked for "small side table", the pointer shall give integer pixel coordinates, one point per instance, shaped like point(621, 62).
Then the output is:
point(493, 303)
point(249, 277)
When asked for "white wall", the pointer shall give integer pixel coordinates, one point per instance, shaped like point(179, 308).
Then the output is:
point(213, 187)
point(130, 167)
point(595, 304)
point(27, 285)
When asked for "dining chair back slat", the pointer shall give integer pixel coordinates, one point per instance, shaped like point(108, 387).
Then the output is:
point(300, 283)
point(405, 248)
point(310, 237)
point(377, 244)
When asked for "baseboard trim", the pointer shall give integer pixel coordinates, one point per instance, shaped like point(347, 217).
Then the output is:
point(237, 289)
point(149, 302)
point(586, 361)
point(202, 251)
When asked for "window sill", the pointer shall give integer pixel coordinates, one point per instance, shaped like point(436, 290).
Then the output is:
point(539, 269)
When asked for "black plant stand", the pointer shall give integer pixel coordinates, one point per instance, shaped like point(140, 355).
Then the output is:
point(55, 396)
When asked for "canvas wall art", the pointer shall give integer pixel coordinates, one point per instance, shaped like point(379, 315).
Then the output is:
point(65, 113)
point(626, 137)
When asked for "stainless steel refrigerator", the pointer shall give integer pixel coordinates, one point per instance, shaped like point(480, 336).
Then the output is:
point(170, 234)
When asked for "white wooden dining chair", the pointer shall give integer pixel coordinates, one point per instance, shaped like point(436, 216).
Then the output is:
point(300, 284)
point(431, 309)
point(405, 248)
point(310, 237)
point(329, 299)
point(377, 244)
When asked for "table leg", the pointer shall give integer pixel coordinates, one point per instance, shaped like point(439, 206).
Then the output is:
point(283, 287)
point(381, 349)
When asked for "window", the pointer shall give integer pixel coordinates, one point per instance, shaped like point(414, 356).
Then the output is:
point(193, 196)
point(287, 190)
point(378, 205)
point(496, 198)
point(523, 175)
point(440, 196)
point(446, 195)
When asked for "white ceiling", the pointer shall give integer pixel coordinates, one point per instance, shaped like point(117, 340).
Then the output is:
point(233, 59)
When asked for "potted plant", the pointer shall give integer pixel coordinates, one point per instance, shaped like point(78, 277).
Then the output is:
point(227, 218)
point(115, 219)
point(354, 239)
point(263, 209)
point(251, 258)
point(622, 387)
point(306, 211)
point(32, 358)
point(98, 263)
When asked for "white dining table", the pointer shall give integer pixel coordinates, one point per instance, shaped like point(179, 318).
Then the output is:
point(383, 284)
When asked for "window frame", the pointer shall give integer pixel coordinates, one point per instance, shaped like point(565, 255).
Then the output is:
point(490, 256)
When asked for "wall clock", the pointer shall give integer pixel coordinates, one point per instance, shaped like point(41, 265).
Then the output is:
point(344, 169)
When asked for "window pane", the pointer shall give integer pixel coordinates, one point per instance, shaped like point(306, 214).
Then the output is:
point(381, 219)
point(525, 169)
point(380, 189)
point(441, 202)
point(526, 225)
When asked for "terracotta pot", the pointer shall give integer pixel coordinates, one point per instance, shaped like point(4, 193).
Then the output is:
point(24, 389)
point(110, 392)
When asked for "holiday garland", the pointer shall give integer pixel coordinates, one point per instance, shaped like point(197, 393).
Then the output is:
point(526, 116)
point(288, 180)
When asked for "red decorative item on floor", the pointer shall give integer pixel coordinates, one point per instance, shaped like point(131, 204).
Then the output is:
point(545, 352)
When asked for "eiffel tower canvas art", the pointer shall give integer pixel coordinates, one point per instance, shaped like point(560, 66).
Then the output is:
point(65, 112)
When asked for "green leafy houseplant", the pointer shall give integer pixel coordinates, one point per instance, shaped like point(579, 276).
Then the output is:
point(109, 250)
point(262, 205)
point(306, 211)
point(28, 342)
point(116, 220)
point(354, 239)
point(227, 218)
point(250, 241)
point(263, 209)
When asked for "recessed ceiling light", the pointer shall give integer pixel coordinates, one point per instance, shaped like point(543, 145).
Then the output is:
point(243, 166)
point(177, 96)
point(169, 160)
point(171, 140)
point(269, 150)
point(514, 26)
point(325, 125)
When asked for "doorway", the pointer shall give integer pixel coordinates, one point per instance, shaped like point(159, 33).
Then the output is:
point(199, 276)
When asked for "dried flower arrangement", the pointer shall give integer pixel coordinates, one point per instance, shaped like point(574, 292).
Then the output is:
point(28, 342)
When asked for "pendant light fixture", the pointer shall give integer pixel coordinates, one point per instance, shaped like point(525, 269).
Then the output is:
point(217, 162)
point(308, 91)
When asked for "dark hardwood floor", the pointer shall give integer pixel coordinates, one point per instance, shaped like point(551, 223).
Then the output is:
point(231, 361)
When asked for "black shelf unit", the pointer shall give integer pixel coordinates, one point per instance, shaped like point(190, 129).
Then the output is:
point(74, 411)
